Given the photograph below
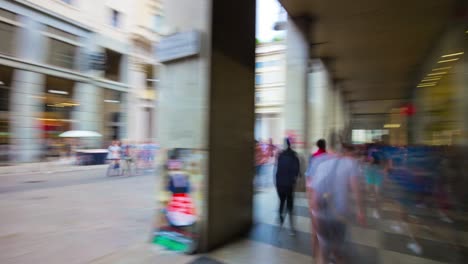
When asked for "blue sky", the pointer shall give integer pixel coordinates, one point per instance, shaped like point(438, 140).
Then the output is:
point(267, 15)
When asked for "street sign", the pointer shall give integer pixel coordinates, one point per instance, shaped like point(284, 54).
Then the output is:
point(177, 46)
point(98, 61)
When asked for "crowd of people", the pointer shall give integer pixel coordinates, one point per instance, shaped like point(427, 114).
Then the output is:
point(341, 184)
point(129, 158)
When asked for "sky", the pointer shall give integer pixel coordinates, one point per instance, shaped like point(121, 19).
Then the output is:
point(267, 15)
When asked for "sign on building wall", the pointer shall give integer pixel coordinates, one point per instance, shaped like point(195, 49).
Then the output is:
point(180, 201)
point(97, 61)
point(177, 46)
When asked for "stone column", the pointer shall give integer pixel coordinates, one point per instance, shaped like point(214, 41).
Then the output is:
point(26, 109)
point(207, 104)
point(137, 81)
point(295, 104)
point(87, 115)
point(26, 94)
point(124, 110)
point(318, 102)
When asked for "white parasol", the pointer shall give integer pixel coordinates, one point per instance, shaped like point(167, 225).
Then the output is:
point(80, 134)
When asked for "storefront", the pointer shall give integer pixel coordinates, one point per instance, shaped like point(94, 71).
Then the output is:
point(58, 104)
point(112, 103)
point(440, 95)
point(5, 91)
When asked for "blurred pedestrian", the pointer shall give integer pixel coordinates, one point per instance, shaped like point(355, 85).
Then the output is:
point(322, 148)
point(127, 156)
point(287, 172)
point(333, 180)
point(316, 158)
point(271, 149)
point(258, 158)
point(114, 152)
point(374, 171)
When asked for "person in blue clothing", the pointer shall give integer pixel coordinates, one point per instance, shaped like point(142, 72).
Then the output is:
point(374, 171)
point(287, 172)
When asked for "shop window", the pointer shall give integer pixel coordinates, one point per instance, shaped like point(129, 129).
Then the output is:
point(4, 141)
point(115, 117)
point(6, 74)
point(4, 98)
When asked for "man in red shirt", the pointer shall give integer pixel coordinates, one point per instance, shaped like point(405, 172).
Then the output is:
point(322, 148)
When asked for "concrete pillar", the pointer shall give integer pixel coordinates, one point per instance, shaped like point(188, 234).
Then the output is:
point(87, 115)
point(339, 114)
point(26, 107)
point(136, 122)
point(207, 103)
point(295, 104)
point(317, 102)
point(124, 109)
point(26, 93)
point(124, 68)
point(333, 116)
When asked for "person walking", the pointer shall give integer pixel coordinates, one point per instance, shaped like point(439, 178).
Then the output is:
point(287, 172)
point(374, 171)
point(318, 157)
point(113, 155)
point(332, 182)
point(271, 149)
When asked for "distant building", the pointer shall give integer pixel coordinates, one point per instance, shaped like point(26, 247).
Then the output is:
point(76, 64)
point(270, 74)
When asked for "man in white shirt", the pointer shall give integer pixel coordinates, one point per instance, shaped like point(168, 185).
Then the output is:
point(332, 182)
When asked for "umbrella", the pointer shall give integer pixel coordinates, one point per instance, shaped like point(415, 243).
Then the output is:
point(80, 134)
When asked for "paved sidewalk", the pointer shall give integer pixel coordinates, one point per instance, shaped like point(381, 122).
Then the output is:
point(45, 167)
point(145, 253)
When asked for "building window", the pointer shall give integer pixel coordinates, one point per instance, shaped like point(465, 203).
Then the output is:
point(61, 54)
point(263, 64)
point(269, 78)
point(258, 79)
point(258, 97)
point(7, 36)
point(112, 65)
point(115, 19)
